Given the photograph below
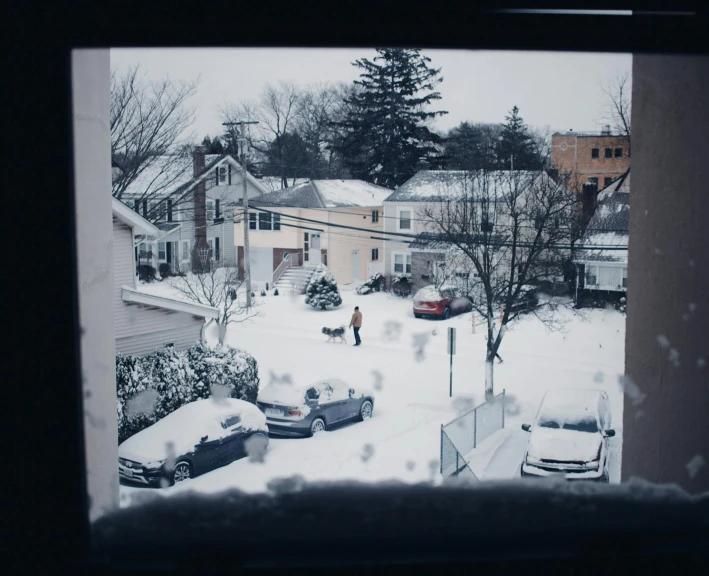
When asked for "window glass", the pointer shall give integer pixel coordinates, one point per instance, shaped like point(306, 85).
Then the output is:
point(405, 219)
point(594, 153)
point(210, 209)
point(264, 221)
point(609, 153)
point(231, 421)
point(276, 221)
point(312, 394)
point(162, 255)
point(252, 221)
point(399, 263)
point(618, 152)
point(408, 263)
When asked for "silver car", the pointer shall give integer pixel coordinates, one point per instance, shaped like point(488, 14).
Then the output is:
point(569, 436)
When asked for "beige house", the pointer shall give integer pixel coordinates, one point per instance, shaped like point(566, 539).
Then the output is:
point(293, 230)
point(143, 321)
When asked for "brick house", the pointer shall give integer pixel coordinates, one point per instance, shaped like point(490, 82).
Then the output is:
point(596, 157)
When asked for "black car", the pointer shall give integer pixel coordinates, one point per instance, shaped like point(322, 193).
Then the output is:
point(194, 439)
point(303, 411)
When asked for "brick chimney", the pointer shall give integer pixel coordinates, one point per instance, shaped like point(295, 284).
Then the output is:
point(200, 208)
point(588, 199)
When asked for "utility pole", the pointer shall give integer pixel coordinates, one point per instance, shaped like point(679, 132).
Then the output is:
point(245, 202)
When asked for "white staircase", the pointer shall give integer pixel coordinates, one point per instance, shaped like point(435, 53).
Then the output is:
point(295, 279)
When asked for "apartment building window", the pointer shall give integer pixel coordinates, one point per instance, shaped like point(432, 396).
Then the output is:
point(594, 152)
point(618, 152)
point(375, 216)
point(607, 181)
point(136, 205)
point(609, 153)
point(252, 221)
point(404, 219)
point(375, 254)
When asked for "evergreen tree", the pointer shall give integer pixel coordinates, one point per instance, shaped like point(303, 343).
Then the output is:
point(516, 146)
point(384, 134)
point(322, 289)
point(472, 146)
point(214, 146)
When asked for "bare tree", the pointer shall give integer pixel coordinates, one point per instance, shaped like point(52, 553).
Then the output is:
point(515, 228)
point(148, 121)
point(315, 112)
point(216, 287)
point(619, 95)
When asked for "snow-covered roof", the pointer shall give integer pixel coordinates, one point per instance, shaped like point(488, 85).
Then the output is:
point(133, 219)
point(323, 194)
point(188, 424)
point(274, 183)
point(609, 225)
point(429, 185)
point(129, 294)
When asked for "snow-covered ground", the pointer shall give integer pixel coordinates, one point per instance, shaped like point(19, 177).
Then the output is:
point(402, 440)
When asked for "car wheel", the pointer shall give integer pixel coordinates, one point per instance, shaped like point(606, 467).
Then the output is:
point(318, 425)
point(181, 472)
point(446, 313)
point(365, 411)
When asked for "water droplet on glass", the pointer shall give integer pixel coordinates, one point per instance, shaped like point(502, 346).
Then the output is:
point(695, 465)
point(463, 404)
point(378, 380)
point(631, 389)
point(599, 377)
point(410, 465)
point(663, 341)
point(220, 393)
point(164, 483)
point(512, 407)
point(701, 363)
point(285, 485)
point(658, 251)
point(691, 263)
point(673, 357)
point(143, 404)
point(391, 332)
point(433, 468)
point(692, 307)
point(420, 341)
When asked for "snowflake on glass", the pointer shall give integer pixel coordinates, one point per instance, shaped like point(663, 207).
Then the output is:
point(378, 380)
point(631, 389)
point(143, 404)
point(256, 447)
point(367, 453)
point(220, 393)
point(392, 331)
point(420, 342)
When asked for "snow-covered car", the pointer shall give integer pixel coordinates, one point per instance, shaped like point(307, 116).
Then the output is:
point(443, 302)
point(293, 410)
point(569, 436)
point(194, 439)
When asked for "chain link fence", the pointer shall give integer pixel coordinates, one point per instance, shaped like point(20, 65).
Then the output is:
point(466, 432)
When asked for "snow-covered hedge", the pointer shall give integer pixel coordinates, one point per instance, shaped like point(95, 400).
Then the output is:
point(374, 283)
point(322, 290)
point(151, 387)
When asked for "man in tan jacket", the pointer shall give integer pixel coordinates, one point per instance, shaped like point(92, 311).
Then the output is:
point(356, 322)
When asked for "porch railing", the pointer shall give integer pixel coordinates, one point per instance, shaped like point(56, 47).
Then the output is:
point(292, 260)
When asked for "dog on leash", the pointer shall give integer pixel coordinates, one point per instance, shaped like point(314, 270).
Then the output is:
point(333, 333)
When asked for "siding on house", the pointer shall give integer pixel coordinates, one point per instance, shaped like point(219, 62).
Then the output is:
point(141, 329)
point(391, 225)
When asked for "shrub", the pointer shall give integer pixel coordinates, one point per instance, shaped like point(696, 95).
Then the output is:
point(322, 289)
point(178, 378)
point(275, 291)
point(146, 273)
point(374, 283)
point(401, 286)
point(165, 270)
point(263, 292)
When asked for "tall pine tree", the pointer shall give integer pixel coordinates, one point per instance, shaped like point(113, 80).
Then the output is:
point(384, 134)
point(516, 147)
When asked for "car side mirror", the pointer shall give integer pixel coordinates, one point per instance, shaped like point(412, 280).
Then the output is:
point(609, 433)
point(352, 392)
point(526, 427)
point(203, 439)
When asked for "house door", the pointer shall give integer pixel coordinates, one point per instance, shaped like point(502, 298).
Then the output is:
point(314, 250)
point(355, 265)
point(168, 248)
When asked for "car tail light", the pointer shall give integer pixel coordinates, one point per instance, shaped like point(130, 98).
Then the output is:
point(294, 413)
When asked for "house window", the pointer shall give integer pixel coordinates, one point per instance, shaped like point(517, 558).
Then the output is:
point(486, 222)
point(136, 206)
point(591, 272)
point(607, 181)
point(169, 210)
point(264, 221)
point(594, 152)
point(593, 180)
point(216, 248)
point(277, 222)
point(375, 216)
point(609, 153)
point(618, 152)
point(306, 247)
point(252, 221)
point(144, 251)
point(375, 254)
point(217, 209)
point(185, 249)
point(210, 243)
point(170, 345)
point(404, 219)
point(162, 254)
point(222, 172)
point(624, 275)
point(210, 209)
point(402, 263)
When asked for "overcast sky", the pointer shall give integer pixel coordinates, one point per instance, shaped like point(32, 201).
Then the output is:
point(559, 90)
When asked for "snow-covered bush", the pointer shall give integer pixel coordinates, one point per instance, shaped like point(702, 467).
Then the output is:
point(374, 283)
point(401, 286)
point(146, 273)
point(322, 290)
point(165, 270)
point(177, 378)
point(622, 305)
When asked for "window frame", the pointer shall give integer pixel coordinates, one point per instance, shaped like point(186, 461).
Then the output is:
point(162, 258)
point(209, 210)
point(618, 153)
point(608, 154)
point(406, 263)
point(595, 153)
point(410, 210)
point(375, 216)
point(222, 175)
point(607, 181)
point(210, 243)
point(253, 221)
point(375, 254)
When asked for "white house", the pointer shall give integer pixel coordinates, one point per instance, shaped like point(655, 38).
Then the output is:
point(172, 210)
point(144, 322)
point(603, 263)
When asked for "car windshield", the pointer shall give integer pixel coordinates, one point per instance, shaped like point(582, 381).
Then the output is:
point(585, 423)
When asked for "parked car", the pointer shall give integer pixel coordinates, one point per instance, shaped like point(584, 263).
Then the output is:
point(443, 302)
point(527, 299)
point(303, 411)
point(569, 436)
point(194, 439)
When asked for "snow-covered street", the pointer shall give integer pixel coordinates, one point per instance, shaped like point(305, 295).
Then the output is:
point(402, 440)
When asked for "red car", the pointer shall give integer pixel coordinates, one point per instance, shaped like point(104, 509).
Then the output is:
point(443, 302)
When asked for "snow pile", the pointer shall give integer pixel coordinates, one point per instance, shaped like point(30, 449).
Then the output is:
point(282, 394)
point(351, 193)
point(182, 430)
point(563, 445)
point(322, 290)
point(428, 294)
point(176, 378)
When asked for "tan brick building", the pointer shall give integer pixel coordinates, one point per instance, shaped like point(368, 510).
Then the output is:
point(598, 157)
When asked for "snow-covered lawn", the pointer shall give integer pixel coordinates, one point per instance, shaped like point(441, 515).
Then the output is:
point(402, 440)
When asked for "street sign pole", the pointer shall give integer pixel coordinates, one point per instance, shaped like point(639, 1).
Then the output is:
point(451, 351)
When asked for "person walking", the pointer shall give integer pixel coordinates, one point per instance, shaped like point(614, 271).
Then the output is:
point(356, 323)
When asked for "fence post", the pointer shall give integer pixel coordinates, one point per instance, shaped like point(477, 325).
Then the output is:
point(475, 428)
point(504, 399)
